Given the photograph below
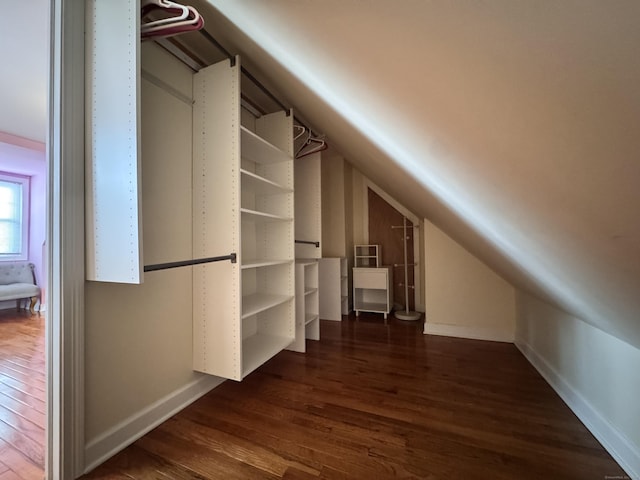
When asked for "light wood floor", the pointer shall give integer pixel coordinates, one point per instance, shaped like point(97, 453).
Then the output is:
point(22, 395)
point(371, 401)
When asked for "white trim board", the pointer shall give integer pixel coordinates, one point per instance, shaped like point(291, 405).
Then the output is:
point(128, 431)
point(620, 448)
point(463, 331)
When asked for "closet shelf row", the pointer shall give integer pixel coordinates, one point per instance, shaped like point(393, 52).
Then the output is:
point(260, 302)
point(258, 150)
point(257, 216)
point(247, 264)
point(260, 185)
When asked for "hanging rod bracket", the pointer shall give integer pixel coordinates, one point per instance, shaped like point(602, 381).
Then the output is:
point(307, 242)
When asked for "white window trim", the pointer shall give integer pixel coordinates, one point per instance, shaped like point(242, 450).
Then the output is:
point(25, 181)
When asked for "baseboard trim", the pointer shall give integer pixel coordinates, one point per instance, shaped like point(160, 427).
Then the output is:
point(616, 443)
point(128, 431)
point(461, 331)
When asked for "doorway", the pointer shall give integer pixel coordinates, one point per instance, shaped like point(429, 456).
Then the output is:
point(385, 229)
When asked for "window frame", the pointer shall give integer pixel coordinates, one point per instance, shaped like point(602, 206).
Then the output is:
point(25, 181)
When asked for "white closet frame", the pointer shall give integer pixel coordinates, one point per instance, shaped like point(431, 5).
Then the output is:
point(244, 312)
point(113, 160)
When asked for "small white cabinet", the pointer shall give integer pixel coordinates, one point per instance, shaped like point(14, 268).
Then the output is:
point(372, 290)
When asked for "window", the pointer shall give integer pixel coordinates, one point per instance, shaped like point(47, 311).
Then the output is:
point(14, 217)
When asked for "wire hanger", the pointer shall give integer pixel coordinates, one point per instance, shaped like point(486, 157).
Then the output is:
point(181, 19)
point(301, 130)
point(311, 145)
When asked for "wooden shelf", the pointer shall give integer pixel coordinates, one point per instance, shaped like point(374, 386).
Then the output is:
point(259, 302)
point(263, 263)
point(366, 255)
point(258, 150)
point(260, 185)
point(259, 348)
point(310, 317)
point(256, 216)
point(373, 307)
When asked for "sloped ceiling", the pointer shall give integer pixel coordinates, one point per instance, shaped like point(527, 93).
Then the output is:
point(24, 33)
point(513, 126)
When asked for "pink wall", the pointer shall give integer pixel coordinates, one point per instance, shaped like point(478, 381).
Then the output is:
point(26, 157)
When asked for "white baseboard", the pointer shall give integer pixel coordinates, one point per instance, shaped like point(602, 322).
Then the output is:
point(461, 331)
point(620, 448)
point(128, 431)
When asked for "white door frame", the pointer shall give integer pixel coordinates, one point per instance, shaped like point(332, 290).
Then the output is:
point(65, 240)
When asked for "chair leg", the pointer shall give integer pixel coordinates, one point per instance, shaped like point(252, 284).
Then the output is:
point(18, 305)
point(32, 305)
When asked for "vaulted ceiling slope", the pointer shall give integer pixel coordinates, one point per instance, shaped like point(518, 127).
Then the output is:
point(514, 126)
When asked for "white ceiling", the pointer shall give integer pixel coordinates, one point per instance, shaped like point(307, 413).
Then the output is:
point(24, 35)
point(511, 125)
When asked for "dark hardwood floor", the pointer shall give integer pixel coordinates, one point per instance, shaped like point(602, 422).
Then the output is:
point(371, 401)
point(22, 395)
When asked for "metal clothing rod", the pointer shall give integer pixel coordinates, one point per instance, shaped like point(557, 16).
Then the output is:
point(402, 226)
point(264, 90)
point(402, 264)
point(317, 244)
point(186, 263)
point(181, 55)
point(208, 36)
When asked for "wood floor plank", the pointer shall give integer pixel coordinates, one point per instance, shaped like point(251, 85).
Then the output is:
point(22, 394)
point(25, 411)
point(31, 449)
point(36, 403)
point(375, 401)
point(9, 475)
point(203, 461)
point(19, 463)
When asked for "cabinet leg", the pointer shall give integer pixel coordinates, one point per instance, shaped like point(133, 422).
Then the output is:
point(357, 313)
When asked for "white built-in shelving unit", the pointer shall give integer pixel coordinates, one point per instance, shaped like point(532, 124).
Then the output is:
point(333, 288)
point(244, 312)
point(366, 255)
point(344, 287)
point(307, 304)
point(308, 232)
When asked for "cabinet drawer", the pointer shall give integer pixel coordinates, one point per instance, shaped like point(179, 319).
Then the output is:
point(370, 278)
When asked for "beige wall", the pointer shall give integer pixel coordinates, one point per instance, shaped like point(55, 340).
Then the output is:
point(464, 298)
point(333, 205)
point(138, 342)
point(595, 373)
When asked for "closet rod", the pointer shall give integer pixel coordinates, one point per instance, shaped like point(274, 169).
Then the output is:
point(307, 242)
point(186, 263)
point(217, 44)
